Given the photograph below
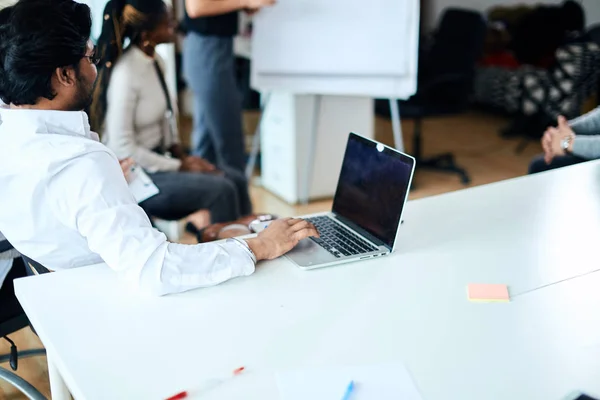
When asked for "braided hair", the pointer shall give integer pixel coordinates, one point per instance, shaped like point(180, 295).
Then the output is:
point(122, 19)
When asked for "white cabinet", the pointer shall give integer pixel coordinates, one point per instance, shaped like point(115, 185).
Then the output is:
point(286, 141)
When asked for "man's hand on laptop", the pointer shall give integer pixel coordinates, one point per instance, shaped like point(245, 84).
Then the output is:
point(281, 236)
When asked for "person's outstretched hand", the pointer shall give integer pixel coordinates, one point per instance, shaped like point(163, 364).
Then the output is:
point(255, 5)
point(280, 237)
point(553, 137)
point(547, 145)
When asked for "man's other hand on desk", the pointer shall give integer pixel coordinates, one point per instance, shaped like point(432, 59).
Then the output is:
point(280, 237)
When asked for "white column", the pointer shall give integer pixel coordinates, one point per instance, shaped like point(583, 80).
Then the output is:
point(286, 142)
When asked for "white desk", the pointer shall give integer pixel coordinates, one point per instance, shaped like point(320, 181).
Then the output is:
point(109, 343)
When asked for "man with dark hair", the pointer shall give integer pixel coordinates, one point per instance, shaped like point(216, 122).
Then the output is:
point(65, 201)
point(11, 265)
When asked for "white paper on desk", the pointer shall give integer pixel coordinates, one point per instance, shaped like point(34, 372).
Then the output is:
point(376, 382)
point(140, 184)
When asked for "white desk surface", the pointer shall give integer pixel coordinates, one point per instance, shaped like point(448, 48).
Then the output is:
point(109, 343)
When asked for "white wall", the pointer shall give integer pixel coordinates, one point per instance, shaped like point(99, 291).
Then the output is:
point(5, 3)
point(436, 7)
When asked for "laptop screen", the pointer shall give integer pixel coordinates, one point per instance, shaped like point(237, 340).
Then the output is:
point(372, 187)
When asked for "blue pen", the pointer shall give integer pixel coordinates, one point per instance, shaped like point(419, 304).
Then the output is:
point(349, 391)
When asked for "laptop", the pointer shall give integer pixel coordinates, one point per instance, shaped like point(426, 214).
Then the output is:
point(367, 209)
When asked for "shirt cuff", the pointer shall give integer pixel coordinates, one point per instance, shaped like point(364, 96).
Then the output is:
point(243, 263)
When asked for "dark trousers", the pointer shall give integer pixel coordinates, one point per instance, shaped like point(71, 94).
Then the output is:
point(9, 305)
point(183, 193)
point(209, 69)
point(539, 165)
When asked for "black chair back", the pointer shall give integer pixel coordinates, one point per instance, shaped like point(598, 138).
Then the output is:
point(593, 34)
point(12, 316)
point(5, 246)
point(456, 48)
point(13, 319)
point(32, 267)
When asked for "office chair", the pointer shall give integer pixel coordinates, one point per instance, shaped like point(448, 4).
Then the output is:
point(579, 79)
point(446, 74)
point(593, 33)
point(34, 267)
point(8, 326)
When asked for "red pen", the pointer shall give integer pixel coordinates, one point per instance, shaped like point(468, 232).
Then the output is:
point(178, 396)
point(209, 385)
point(239, 370)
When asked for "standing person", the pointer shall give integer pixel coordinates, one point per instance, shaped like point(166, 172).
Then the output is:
point(208, 63)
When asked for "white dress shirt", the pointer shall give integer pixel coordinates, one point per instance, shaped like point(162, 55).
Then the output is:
point(135, 122)
point(66, 204)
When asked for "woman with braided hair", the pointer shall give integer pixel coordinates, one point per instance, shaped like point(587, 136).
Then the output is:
point(135, 113)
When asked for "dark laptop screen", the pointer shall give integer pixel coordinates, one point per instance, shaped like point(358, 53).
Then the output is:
point(372, 188)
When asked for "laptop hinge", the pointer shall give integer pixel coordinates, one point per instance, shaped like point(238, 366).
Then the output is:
point(361, 231)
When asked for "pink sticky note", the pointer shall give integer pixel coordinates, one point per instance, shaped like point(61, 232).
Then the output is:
point(488, 293)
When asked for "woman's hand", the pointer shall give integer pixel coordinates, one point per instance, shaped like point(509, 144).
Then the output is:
point(553, 138)
point(197, 164)
point(126, 166)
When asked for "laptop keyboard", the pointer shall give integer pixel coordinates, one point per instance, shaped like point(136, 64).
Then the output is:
point(337, 239)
